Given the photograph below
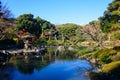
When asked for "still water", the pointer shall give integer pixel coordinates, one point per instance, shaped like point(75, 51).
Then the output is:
point(45, 67)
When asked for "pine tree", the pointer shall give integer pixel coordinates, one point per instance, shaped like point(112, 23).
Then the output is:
point(111, 19)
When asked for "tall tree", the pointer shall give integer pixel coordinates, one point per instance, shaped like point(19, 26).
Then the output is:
point(111, 19)
point(48, 29)
point(6, 21)
point(29, 24)
point(93, 30)
point(5, 12)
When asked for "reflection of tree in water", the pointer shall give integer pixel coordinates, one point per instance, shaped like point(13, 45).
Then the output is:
point(54, 53)
point(4, 57)
point(4, 65)
point(5, 71)
point(51, 53)
point(66, 55)
point(23, 67)
point(26, 65)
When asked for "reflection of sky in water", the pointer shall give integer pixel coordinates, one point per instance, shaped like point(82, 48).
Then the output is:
point(58, 70)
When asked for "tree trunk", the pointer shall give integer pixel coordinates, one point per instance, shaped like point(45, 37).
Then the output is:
point(100, 45)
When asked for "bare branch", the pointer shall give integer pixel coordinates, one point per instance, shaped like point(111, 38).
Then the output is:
point(6, 11)
point(94, 32)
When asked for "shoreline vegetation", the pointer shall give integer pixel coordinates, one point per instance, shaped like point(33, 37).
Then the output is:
point(107, 61)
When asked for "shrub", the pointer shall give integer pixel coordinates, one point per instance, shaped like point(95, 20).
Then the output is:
point(105, 58)
point(40, 40)
point(51, 42)
point(59, 42)
point(116, 35)
point(104, 55)
point(83, 52)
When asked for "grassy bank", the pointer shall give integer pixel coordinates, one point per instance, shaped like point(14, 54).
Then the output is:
point(109, 61)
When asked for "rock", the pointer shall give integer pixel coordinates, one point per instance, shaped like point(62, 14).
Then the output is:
point(61, 48)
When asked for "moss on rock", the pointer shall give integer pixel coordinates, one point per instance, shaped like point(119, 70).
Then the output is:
point(97, 54)
point(112, 68)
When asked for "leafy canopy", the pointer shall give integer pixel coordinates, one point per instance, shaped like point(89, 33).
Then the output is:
point(68, 29)
point(29, 24)
point(111, 19)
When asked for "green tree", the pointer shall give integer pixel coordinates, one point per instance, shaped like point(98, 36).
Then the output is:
point(111, 19)
point(79, 35)
point(47, 25)
point(68, 30)
point(29, 24)
point(49, 29)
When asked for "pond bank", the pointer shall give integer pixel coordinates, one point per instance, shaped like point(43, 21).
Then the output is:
point(108, 62)
point(19, 51)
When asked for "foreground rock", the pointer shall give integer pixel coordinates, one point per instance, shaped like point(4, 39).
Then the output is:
point(109, 71)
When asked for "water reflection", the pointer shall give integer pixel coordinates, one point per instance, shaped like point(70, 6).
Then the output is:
point(50, 65)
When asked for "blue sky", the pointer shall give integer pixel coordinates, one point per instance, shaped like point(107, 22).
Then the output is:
point(60, 11)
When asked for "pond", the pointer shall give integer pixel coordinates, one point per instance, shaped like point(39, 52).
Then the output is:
point(50, 66)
